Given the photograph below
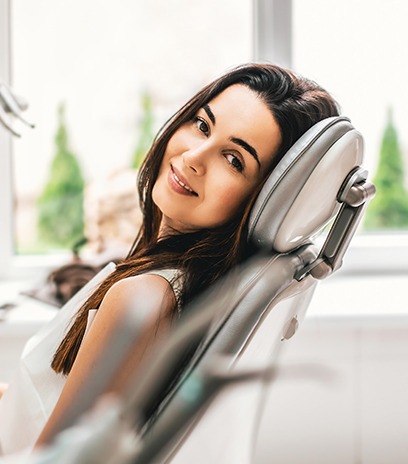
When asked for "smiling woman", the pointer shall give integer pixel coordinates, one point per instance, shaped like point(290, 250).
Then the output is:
point(213, 163)
point(196, 185)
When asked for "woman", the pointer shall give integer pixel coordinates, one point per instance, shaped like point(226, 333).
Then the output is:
point(197, 185)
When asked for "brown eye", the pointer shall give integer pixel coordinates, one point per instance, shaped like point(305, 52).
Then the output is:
point(202, 126)
point(235, 162)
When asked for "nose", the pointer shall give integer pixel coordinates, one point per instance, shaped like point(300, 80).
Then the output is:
point(196, 158)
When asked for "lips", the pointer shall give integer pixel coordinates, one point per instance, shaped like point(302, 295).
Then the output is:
point(178, 183)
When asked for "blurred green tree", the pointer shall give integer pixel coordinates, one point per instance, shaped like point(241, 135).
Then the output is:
point(60, 205)
point(146, 133)
point(389, 208)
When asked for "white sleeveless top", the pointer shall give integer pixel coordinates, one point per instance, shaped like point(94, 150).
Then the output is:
point(35, 387)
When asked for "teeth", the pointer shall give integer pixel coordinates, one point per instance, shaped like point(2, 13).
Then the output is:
point(182, 183)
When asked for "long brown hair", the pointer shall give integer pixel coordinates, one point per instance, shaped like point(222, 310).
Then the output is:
point(203, 256)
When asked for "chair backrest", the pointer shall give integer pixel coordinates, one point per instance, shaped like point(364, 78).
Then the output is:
point(211, 413)
point(257, 308)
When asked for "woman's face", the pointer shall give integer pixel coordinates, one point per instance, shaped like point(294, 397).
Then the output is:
point(213, 163)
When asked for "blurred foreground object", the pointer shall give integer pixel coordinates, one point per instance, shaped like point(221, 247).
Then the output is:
point(11, 105)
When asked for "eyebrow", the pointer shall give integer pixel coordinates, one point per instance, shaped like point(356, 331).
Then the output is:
point(250, 149)
point(210, 114)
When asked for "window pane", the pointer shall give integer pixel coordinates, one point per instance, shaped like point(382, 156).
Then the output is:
point(101, 77)
point(355, 50)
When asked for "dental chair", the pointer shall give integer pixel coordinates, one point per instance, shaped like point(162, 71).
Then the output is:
point(210, 414)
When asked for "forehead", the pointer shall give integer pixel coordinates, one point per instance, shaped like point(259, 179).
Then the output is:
point(240, 112)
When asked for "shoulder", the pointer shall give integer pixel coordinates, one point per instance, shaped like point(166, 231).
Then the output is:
point(141, 283)
point(150, 292)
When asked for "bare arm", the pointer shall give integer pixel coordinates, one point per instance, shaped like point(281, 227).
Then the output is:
point(150, 292)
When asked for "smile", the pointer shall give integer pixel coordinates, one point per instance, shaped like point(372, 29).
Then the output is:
point(178, 185)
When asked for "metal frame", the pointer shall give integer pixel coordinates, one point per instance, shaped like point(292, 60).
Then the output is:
point(273, 31)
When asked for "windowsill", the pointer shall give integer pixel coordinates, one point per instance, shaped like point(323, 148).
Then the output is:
point(377, 254)
point(36, 267)
point(371, 282)
point(27, 315)
point(367, 254)
point(349, 296)
point(340, 297)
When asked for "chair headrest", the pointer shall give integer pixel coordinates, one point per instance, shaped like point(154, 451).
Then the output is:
point(300, 195)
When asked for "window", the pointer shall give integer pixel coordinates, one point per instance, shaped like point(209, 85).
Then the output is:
point(103, 72)
point(352, 49)
point(101, 59)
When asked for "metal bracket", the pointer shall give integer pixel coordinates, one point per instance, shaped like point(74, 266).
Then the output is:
point(12, 105)
point(354, 194)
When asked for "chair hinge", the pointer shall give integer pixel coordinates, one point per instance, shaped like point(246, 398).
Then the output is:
point(354, 195)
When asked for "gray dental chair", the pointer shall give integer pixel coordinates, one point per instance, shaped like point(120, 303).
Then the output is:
point(210, 414)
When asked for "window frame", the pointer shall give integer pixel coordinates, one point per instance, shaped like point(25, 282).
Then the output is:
point(376, 253)
point(6, 192)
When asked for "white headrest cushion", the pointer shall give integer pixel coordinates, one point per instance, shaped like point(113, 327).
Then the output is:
point(300, 196)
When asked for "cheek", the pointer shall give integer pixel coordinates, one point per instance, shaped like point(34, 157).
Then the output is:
point(174, 147)
point(179, 142)
point(230, 200)
point(171, 147)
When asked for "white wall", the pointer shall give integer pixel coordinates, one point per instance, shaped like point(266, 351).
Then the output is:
point(341, 395)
